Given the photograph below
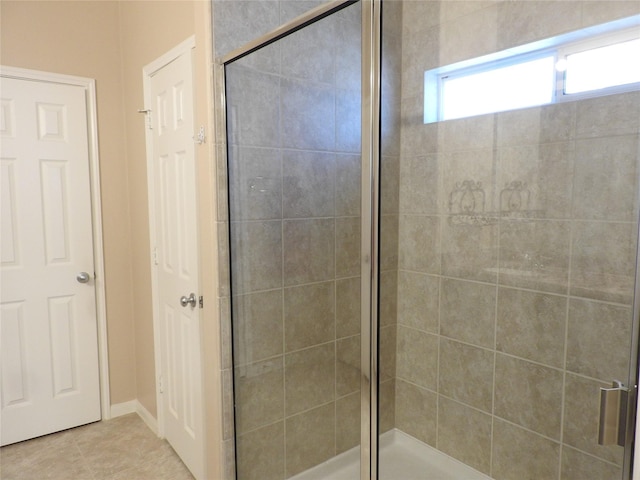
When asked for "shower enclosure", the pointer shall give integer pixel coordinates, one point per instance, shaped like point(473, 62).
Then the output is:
point(431, 276)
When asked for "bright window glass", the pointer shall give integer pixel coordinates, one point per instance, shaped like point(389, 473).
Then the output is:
point(603, 67)
point(519, 85)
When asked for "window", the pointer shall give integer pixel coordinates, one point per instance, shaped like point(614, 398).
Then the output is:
point(591, 62)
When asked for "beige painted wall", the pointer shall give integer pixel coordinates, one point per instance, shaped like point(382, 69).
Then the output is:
point(112, 41)
point(82, 38)
point(147, 30)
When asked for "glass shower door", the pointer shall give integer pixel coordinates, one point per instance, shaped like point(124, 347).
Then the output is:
point(293, 146)
point(508, 241)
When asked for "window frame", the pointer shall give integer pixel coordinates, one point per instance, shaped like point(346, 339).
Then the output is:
point(560, 47)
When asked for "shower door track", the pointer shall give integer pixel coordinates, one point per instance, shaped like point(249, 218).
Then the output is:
point(370, 195)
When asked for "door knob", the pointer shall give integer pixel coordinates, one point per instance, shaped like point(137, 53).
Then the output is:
point(191, 299)
point(83, 277)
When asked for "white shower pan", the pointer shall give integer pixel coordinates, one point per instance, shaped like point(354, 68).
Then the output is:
point(402, 457)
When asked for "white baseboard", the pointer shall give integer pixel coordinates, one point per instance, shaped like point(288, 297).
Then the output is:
point(134, 406)
point(149, 419)
point(124, 408)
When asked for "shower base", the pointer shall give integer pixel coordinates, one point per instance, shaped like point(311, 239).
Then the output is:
point(402, 457)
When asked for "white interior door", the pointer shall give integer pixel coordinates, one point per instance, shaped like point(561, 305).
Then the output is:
point(176, 259)
point(48, 327)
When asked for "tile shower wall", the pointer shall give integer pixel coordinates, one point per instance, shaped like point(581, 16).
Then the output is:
point(294, 193)
point(510, 317)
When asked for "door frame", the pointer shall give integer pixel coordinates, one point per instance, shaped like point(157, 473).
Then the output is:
point(89, 85)
point(148, 71)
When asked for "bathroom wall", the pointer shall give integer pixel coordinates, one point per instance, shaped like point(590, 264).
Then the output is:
point(511, 316)
point(294, 191)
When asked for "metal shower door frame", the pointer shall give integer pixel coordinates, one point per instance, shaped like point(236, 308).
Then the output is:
point(370, 196)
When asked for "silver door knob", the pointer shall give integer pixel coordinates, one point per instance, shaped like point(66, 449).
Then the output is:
point(83, 277)
point(191, 299)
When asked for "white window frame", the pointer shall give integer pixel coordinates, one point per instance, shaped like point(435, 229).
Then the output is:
point(561, 46)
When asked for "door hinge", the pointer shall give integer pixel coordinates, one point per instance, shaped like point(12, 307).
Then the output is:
point(155, 255)
point(200, 138)
point(160, 385)
point(201, 302)
point(147, 114)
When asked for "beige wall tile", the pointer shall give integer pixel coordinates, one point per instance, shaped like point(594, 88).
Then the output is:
point(418, 301)
point(309, 250)
point(308, 115)
point(469, 251)
point(578, 466)
point(347, 184)
point(465, 434)
point(469, 36)
point(348, 365)
point(466, 374)
point(255, 179)
point(309, 378)
point(259, 394)
point(417, 358)
point(609, 115)
point(420, 182)
point(310, 55)
point(254, 97)
point(309, 315)
point(261, 453)
point(467, 312)
point(388, 298)
point(598, 340)
point(308, 184)
point(347, 307)
point(522, 455)
point(348, 118)
point(256, 256)
point(532, 325)
point(310, 438)
point(347, 246)
point(257, 326)
point(347, 422)
point(416, 412)
point(388, 353)
point(419, 243)
point(529, 395)
point(594, 13)
point(389, 226)
point(605, 187)
point(603, 255)
point(535, 255)
point(389, 184)
point(523, 22)
point(387, 402)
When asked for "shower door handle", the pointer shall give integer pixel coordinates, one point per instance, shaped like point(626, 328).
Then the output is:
point(613, 415)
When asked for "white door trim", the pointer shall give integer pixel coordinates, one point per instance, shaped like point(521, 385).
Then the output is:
point(147, 72)
point(89, 85)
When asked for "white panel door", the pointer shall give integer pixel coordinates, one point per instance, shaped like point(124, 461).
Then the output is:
point(48, 328)
point(177, 259)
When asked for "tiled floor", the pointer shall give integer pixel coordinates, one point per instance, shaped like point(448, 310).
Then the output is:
point(120, 449)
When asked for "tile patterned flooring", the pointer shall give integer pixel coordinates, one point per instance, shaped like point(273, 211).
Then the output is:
point(123, 448)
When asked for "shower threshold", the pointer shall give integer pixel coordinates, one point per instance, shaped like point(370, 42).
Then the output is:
point(402, 457)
